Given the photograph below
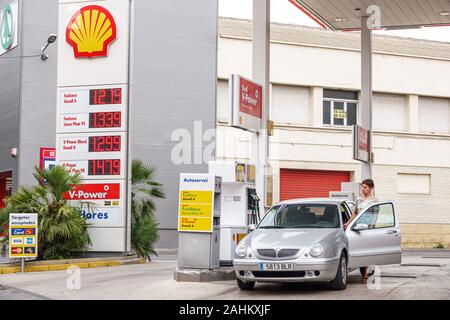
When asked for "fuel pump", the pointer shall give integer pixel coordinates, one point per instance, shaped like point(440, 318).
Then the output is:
point(253, 206)
point(239, 205)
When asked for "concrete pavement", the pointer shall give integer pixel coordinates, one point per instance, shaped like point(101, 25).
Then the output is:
point(425, 274)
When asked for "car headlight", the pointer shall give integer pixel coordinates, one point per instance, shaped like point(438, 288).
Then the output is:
point(316, 250)
point(242, 251)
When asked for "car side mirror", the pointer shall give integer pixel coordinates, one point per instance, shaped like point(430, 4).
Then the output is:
point(360, 227)
point(251, 227)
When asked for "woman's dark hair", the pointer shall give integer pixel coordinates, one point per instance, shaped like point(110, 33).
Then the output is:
point(369, 183)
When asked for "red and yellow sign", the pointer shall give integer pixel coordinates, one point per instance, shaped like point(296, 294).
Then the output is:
point(90, 32)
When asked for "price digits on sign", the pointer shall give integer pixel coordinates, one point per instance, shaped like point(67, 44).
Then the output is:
point(105, 144)
point(105, 96)
point(105, 120)
point(104, 167)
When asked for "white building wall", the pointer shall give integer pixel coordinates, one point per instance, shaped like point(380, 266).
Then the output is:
point(338, 68)
point(411, 100)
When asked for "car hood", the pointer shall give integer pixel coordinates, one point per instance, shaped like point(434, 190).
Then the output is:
point(290, 238)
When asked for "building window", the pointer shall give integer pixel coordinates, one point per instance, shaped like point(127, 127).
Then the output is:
point(434, 115)
point(290, 104)
point(223, 100)
point(340, 107)
point(389, 112)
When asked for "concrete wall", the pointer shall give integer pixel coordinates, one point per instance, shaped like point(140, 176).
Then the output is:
point(173, 84)
point(28, 91)
point(10, 64)
point(38, 89)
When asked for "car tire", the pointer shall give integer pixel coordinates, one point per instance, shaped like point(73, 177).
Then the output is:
point(371, 271)
point(247, 285)
point(340, 281)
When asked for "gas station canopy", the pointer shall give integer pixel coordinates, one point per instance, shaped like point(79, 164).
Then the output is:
point(345, 14)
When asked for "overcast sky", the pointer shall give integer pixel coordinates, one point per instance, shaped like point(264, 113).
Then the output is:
point(285, 12)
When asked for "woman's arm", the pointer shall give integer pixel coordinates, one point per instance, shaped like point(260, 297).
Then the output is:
point(354, 214)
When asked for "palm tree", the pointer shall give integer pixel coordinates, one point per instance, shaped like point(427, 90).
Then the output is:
point(144, 232)
point(62, 232)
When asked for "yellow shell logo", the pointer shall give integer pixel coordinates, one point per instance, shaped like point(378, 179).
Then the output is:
point(90, 32)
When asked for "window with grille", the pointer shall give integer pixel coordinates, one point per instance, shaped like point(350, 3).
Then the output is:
point(340, 107)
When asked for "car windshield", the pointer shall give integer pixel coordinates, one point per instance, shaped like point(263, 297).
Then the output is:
point(301, 216)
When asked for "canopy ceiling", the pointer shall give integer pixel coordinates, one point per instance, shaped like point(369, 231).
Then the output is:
point(344, 14)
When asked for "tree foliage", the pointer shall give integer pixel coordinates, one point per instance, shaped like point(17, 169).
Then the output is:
point(144, 232)
point(62, 232)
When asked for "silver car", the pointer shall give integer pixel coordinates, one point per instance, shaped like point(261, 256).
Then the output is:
point(304, 240)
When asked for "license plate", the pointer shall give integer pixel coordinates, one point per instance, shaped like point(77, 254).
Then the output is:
point(276, 266)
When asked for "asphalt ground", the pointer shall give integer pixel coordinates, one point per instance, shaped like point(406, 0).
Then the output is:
point(424, 274)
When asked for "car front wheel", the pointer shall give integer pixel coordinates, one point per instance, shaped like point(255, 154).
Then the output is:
point(340, 281)
point(247, 285)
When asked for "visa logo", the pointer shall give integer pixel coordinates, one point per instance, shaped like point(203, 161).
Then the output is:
point(17, 241)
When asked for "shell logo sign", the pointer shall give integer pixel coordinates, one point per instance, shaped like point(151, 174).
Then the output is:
point(90, 32)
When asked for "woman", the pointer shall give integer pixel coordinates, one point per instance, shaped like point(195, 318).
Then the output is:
point(362, 202)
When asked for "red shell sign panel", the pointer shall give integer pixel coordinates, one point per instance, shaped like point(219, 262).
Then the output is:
point(90, 32)
point(361, 144)
point(247, 103)
point(363, 140)
point(250, 98)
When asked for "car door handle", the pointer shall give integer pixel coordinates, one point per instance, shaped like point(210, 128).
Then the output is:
point(392, 232)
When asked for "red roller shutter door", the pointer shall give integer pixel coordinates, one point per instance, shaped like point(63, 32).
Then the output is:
point(310, 183)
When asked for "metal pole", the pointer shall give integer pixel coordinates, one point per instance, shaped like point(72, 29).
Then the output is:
point(366, 87)
point(261, 75)
point(22, 265)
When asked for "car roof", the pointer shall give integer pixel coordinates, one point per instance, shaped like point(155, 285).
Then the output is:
point(312, 201)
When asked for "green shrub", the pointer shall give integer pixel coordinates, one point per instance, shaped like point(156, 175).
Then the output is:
point(144, 229)
point(62, 232)
point(440, 245)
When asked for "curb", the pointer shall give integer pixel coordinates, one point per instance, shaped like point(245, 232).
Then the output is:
point(107, 262)
point(197, 275)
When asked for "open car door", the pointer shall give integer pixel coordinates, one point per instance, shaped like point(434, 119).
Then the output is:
point(374, 237)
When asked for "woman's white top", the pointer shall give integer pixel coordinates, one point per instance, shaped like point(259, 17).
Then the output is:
point(363, 202)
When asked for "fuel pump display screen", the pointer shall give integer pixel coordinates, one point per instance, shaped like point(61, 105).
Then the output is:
point(104, 167)
point(105, 120)
point(105, 144)
point(105, 96)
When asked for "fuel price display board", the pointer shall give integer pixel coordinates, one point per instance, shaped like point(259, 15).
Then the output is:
point(93, 115)
point(96, 155)
point(92, 141)
point(87, 109)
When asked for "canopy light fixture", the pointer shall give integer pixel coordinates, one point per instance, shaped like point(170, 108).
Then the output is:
point(51, 39)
